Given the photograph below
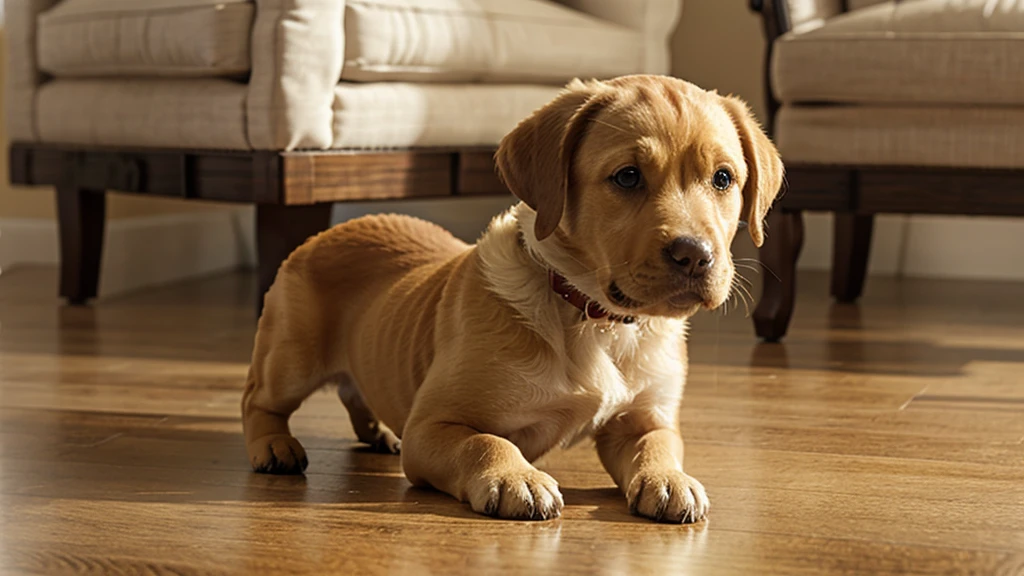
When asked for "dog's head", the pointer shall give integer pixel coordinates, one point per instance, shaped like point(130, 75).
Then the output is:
point(637, 187)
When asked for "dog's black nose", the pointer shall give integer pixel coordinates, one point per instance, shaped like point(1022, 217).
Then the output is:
point(693, 256)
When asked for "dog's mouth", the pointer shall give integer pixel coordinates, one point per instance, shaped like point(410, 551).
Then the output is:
point(617, 296)
point(685, 299)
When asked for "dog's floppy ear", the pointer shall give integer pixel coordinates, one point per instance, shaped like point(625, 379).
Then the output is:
point(764, 167)
point(535, 159)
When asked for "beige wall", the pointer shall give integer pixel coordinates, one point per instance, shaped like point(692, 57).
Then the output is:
point(23, 202)
point(719, 45)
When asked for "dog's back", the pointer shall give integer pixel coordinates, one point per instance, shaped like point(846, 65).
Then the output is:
point(312, 330)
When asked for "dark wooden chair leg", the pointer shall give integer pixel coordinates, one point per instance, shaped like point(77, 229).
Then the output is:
point(279, 231)
point(850, 255)
point(783, 241)
point(81, 217)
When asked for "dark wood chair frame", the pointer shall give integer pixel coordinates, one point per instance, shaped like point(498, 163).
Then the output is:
point(855, 194)
point(293, 191)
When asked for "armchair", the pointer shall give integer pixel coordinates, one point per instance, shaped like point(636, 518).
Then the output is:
point(883, 106)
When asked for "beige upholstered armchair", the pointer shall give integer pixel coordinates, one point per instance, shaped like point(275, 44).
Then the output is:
point(291, 104)
point(882, 106)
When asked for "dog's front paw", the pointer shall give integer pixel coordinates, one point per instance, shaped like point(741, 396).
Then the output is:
point(527, 494)
point(277, 454)
point(667, 496)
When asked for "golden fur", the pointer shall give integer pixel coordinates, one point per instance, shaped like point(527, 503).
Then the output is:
point(466, 354)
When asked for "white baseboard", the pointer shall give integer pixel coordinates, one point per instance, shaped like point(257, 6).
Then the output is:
point(886, 243)
point(957, 247)
point(141, 252)
point(27, 241)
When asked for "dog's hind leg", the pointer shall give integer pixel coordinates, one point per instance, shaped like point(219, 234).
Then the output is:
point(271, 396)
point(368, 428)
point(286, 369)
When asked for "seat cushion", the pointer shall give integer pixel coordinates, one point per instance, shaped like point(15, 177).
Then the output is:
point(483, 41)
point(924, 51)
point(157, 113)
point(654, 19)
point(399, 115)
point(956, 136)
point(154, 38)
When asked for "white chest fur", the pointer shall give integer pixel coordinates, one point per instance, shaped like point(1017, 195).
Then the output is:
point(615, 366)
point(593, 369)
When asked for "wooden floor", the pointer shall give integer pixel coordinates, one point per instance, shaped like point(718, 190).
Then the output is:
point(885, 439)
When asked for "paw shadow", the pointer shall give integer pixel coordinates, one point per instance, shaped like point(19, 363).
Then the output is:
point(607, 504)
point(604, 504)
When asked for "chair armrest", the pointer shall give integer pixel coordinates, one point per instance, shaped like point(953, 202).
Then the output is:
point(23, 75)
point(774, 17)
point(655, 19)
point(297, 53)
point(780, 17)
point(799, 15)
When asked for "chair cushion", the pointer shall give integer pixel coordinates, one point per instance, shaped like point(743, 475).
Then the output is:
point(483, 41)
point(151, 113)
point(955, 136)
point(656, 20)
point(154, 38)
point(925, 51)
point(396, 114)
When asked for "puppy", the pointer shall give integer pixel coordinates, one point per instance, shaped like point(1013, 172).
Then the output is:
point(565, 321)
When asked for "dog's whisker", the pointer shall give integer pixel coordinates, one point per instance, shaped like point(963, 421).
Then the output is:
point(607, 267)
point(741, 283)
point(772, 272)
point(759, 263)
point(734, 298)
point(745, 287)
point(743, 279)
point(748, 299)
point(741, 293)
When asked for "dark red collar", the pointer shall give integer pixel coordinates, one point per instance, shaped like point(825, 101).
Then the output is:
point(591, 309)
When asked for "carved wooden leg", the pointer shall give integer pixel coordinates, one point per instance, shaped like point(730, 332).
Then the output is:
point(783, 241)
point(81, 216)
point(279, 231)
point(850, 255)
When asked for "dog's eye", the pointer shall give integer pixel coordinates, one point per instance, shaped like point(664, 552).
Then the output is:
point(628, 178)
point(722, 179)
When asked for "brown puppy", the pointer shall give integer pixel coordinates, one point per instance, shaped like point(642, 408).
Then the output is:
point(632, 191)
